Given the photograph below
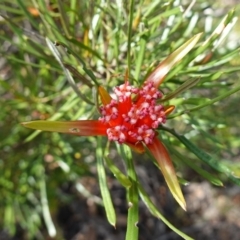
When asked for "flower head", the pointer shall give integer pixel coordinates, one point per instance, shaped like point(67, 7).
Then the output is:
point(132, 121)
point(132, 118)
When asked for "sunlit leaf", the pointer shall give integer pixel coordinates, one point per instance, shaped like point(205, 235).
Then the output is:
point(162, 157)
point(107, 201)
point(157, 76)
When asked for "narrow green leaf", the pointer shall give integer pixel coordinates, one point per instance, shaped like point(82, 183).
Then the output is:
point(211, 178)
point(13, 9)
point(153, 209)
point(81, 45)
point(73, 14)
point(29, 46)
point(195, 101)
point(89, 72)
point(221, 26)
point(80, 77)
point(9, 218)
point(63, 18)
point(107, 201)
point(51, 29)
point(206, 158)
point(165, 14)
point(118, 174)
point(130, 21)
point(215, 37)
point(26, 13)
point(140, 57)
point(208, 102)
point(132, 193)
point(185, 86)
point(132, 221)
point(45, 208)
point(226, 31)
point(71, 81)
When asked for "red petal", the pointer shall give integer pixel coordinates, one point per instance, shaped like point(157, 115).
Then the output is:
point(81, 127)
point(160, 153)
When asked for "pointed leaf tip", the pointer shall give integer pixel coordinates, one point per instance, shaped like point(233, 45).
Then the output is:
point(158, 75)
point(161, 155)
point(169, 109)
point(104, 95)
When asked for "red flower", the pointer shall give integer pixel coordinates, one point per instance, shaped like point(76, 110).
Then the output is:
point(132, 118)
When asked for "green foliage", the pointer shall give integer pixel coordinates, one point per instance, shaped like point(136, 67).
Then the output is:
point(96, 42)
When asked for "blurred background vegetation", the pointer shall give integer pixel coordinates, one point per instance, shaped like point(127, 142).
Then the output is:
point(48, 183)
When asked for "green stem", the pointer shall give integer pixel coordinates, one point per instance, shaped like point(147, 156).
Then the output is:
point(63, 18)
point(130, 34)
point(132, 229)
